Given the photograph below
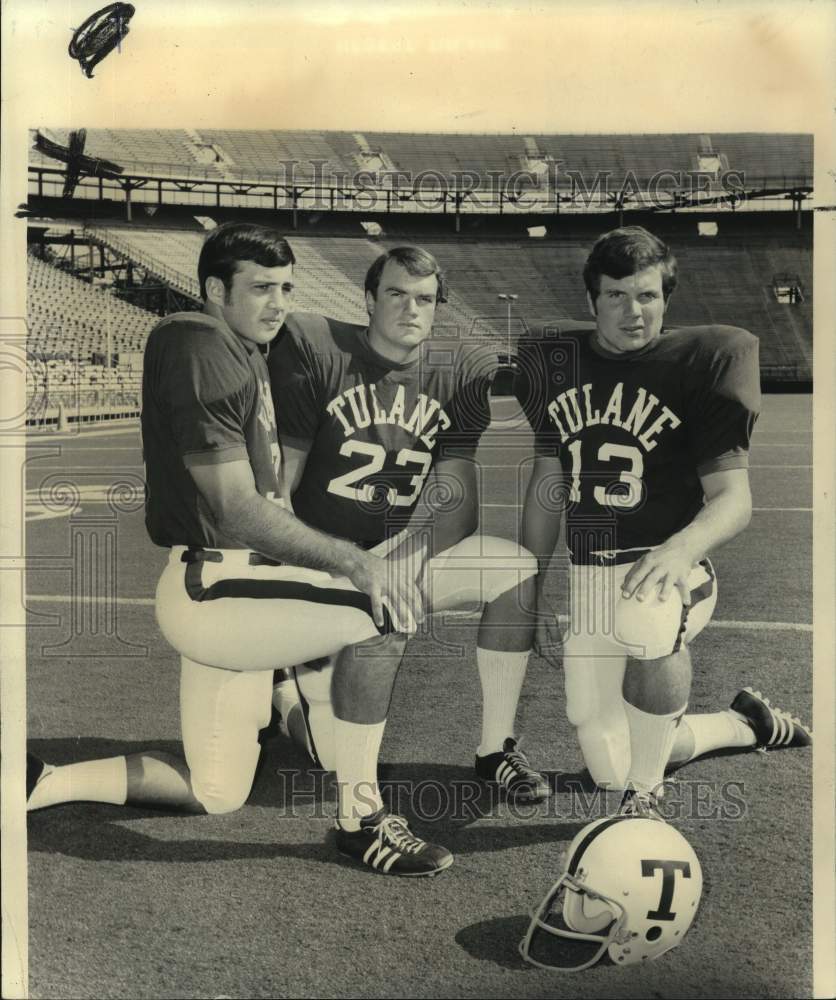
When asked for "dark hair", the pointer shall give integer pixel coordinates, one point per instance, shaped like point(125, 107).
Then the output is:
point(233, 242)
point(622, 252)
point(419, 263)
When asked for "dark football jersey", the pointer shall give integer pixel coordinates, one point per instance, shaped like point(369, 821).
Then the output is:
point(376, 427)
point(205, 400)
point(635, 431)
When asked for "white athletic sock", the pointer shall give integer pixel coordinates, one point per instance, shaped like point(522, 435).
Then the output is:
point(716, 731)
point(651, 740)
point(358, 748)
point(502, 675)
point(104, 780)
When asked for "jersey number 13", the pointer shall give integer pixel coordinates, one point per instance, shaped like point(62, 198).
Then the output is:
point(628, 485)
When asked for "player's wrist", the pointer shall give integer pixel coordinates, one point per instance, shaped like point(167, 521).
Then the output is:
point(349, 558)
point(689, 545)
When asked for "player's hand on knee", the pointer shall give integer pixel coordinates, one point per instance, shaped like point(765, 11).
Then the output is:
point(661, 570)
point(405, 604)
point(389, 588)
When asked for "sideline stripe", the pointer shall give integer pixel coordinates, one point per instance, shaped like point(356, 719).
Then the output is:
point(149, 602)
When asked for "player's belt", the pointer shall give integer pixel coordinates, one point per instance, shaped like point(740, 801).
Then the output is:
point(193, 555)
point(608, 558)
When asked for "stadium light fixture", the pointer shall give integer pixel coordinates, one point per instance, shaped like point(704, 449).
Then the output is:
point(508, 298)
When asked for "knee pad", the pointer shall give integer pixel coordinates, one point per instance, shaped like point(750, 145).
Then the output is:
point(652, 629)
point(217, 802)
point(221, 713)
point(508, 565)
point(480, 568)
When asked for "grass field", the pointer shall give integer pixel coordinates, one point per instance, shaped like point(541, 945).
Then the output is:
point(131, 902)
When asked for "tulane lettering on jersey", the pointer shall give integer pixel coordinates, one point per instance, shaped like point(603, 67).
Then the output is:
point(634, 432)
point(641, 415)
point(359, 407)
point(373, 427)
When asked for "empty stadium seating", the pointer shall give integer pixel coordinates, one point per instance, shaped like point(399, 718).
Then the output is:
point(724, 280)
point(138, 147)
point(262, 154)
point(69, 322)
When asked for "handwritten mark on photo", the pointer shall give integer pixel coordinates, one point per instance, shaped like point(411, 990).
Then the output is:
point(100, 34)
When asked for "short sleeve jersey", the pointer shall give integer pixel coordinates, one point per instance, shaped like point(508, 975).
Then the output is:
point(375, 427)
point(205, 400)
point(635, 431)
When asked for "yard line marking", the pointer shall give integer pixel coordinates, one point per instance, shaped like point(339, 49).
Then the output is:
point(781, 508)
point(748, 626)
point(763, 626)
point(149, 602)
point(36, 436)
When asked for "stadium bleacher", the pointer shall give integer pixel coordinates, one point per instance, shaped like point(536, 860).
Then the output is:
point(726, 282)
point(774, 156)
point(148, 147)
point(267, 152)
point(71, 324)
point(69, 316)
point(739, 277)
point(250, 153)
point(429, 153)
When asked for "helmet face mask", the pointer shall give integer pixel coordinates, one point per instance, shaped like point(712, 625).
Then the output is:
point(631, 888)
point(579, 925)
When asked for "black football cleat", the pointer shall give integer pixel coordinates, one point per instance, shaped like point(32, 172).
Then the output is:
point(509, 769)
point(773, 727)
point(385, 844)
